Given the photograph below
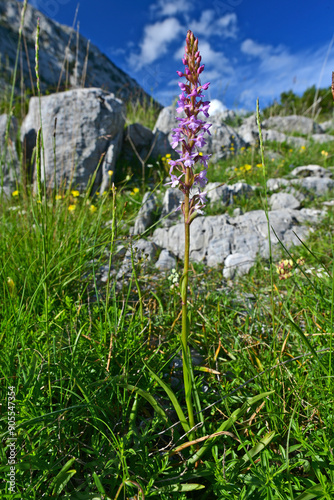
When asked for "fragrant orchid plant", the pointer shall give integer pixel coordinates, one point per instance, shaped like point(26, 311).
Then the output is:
point(189, 138)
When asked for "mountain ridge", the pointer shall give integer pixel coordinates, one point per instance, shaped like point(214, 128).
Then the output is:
point(62, 52)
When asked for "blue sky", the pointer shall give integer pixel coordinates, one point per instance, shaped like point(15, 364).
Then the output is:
point(251, 48)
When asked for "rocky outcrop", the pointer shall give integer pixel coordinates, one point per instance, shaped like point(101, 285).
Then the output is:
point(280, 128)
point(214, 238)
point(145, 215)
point(236, 241)
point(10, 171)
point(293, 123)
point(82, 128)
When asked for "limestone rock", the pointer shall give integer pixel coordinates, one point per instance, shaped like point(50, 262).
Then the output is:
point(171, 201)
point(162, 146)
point(273, 135)
point(217, 192)
point(223, 141)
point(10, 170)
point(225, 194)
point(142, 250)
point(320, 138)
point(274, 184)
point(248, 130)
point(213, 238)
point(283, 200)
point(292, 123)
point(237, 264)
point(297, 142)
point(311, 171)
point(166, 261)
point(145, 215)
point(166, 120)
point(319, 185)
point(87, 123)
point(327, 125)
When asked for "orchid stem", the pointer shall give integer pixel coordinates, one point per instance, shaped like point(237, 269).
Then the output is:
point(187, 363)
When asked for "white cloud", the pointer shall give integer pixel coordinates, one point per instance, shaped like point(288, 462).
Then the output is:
point(216, 107)
point(170, 7)
point(252, 48)
point(157, 37)
point(208, 24)
point(209, 56)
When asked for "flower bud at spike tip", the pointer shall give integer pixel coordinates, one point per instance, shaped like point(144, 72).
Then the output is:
point(188, 137)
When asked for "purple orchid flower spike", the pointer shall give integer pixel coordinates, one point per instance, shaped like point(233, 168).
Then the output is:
point(190, 132)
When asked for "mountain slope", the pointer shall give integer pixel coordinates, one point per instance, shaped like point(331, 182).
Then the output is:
point(62, 57)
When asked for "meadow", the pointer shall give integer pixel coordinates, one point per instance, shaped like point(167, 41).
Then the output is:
point(91, 372)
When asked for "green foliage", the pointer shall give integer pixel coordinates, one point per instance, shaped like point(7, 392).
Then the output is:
point(142, 111)
point(87, 432)
point(313, 103)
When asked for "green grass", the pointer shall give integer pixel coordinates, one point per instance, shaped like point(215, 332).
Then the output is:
point(142, 111)
point(87, 432)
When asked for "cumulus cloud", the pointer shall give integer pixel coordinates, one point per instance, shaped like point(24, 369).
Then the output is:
point(209, 55)
point(155, 42)
point(252, 48)
point(216, 107)
point(170, 7)
point(225, 26)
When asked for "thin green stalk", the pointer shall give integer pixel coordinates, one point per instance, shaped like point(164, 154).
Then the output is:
point(331, 332)
point(111, 251)
point(38, 166)
point(187, 379)
point(39, 153)
point(134, 272)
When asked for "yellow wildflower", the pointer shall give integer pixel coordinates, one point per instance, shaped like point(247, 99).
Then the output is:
point(15, 193)
point(92, 208)
point(110, 172)
point(324, 153)
point(58, 197)
point(71, 208)
point(11, 285)
point(75, 193)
